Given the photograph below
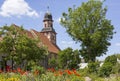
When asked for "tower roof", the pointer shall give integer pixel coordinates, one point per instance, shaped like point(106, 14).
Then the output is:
point(48, 16)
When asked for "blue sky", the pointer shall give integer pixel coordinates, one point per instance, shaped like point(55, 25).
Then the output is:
point(30, 13)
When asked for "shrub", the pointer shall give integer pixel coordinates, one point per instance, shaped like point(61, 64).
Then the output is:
point(105, 70)
point(116, 68)
point(111, 59)
point(93, 67)
point(53, 62)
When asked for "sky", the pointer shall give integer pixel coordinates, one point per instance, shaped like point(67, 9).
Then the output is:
point(30, 14)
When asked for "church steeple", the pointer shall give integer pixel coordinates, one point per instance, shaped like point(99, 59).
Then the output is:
point(48, 22)
point(48, 29)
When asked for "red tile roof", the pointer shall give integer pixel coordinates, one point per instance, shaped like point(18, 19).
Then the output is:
point(33, 34)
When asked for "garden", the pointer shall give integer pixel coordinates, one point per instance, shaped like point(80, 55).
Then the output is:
point(109, 71)
point(86, 25)
point(51, 74)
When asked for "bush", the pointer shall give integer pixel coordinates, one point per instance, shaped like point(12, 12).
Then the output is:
point(105, 70)
point(116, 68)
point(110, 66)
point(93, 67)
point(53, 62)
point(69, 59)
point(111, 59)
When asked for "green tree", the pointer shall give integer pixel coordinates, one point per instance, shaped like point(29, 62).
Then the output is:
point(111, 59)
point(69, 58)
point(88, 25)
point(105, 70)
point(18, 47)
point(118, 56)
point(116, 68)
point(53, 63)
point(110, 66)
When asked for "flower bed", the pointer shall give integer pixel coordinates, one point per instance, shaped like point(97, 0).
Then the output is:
point(49, 75)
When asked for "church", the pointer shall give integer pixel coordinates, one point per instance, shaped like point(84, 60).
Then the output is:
point(47, 37)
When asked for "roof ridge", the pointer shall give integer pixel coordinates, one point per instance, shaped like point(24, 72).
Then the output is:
point(33, 33)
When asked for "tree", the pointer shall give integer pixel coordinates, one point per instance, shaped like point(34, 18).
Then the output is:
point(16, 46)
point(69, 58)
point(88, 25)
point(53, 63)
point(105, 70)
point(110, 66)
point(118, 56)
point(111, 59)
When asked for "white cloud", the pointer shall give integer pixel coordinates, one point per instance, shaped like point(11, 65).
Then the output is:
point(117, 44)
point(17, 8)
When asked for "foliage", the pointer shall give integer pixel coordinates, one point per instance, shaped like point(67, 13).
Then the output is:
point(53, 62)
point(118, 56)
point(111, 59)
point(69, 58)
point(110, 66)
point(59, 75)
point(84, 72)
point(88, 25)
point(105, 70)
point(38, 69)
point(95, 77)
point(18, 47)
point(116, 68)
point(93, 67)
point(48, 76)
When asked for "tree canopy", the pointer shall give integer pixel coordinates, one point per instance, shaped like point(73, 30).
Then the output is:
point(88, 25)
point(18, 47)
point(69, 58)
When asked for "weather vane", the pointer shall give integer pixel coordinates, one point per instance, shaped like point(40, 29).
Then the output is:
point(48, 8)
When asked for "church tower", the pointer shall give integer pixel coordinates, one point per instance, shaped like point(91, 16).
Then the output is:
point(48, 29)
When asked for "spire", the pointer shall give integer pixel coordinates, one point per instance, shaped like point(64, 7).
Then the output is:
point(48, 9)
point(48, 15)
point(48, 29)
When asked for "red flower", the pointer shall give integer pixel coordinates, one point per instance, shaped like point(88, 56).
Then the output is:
point(60, 72)
point(21, 72)
point(77, 74)
point(14, 71)
point(25, 73)
point(18, 69)
point(74, 71)
point(69, 72)
point(36, 72)
point(48, 69)
point(8, 68)
point(56, 74)
point(51, 69)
